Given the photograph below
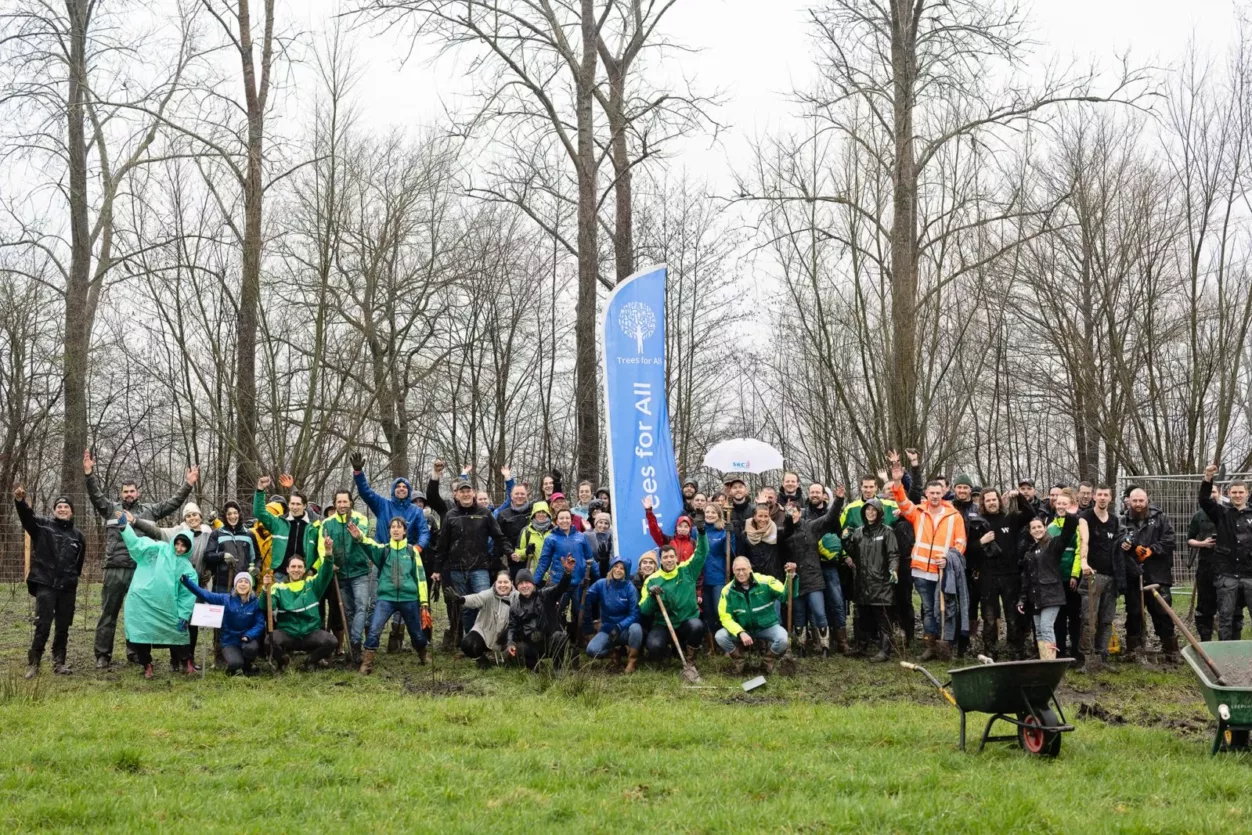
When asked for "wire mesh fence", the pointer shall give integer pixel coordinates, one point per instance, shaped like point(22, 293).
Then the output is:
point(1176, 496)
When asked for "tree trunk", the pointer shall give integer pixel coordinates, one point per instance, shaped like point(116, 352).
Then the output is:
point(904, 429)
point(587, 402)
point(78, 282)
point(624, 221)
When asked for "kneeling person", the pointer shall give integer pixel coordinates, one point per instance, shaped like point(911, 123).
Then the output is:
point(535, 629)
point(243, 622)
point(618, 603)
point(748, 614)
point(491, 625)
point(401, 588)
point(675, 586)
point(297, 618)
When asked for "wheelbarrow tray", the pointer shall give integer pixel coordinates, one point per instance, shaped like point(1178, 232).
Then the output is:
point(1015, 692)
point(1227, 655)
point(1009, 687)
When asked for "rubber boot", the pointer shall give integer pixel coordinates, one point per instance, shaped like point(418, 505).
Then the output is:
point(102, 662)
point(1169, 650)
point(395, 640)
point(884, 650)
point(356, 655)
point(188, 667)
point(802, 641)
point(32, 666)
point(943, 651)
point(770, 660)
point(823, 639)
point(841, 641)
point(632, 660)
point(62, 669)
point(422, 657)
point(738, 659)
point(147, 671)
point(931, 653)
point(1047, 651)
point(367, 661)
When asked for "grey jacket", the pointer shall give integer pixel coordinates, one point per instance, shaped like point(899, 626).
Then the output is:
point(492, 621)
point(116, 554)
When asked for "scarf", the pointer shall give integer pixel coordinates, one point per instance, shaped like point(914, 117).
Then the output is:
point(541, 528)
point(768, 534)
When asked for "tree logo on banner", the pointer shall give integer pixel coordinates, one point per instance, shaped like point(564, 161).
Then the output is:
point(637, 320)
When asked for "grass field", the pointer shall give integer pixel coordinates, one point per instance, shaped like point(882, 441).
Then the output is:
point(841, 746)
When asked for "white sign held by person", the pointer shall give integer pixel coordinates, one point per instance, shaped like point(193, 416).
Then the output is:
point(207, 615)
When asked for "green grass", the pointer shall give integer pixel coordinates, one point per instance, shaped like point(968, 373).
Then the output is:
point(842, 746)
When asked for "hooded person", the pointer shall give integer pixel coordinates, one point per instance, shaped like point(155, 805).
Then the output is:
point(57, 550)
point(243, 622)
point(491, 625)
point(681, 539)
point(401, 587)
point(230, 549)
point(615, 598)
point(534, 631)
point(873, 550)
point(118, 565)
point(530, 543)
point(158, 605)
point(194, 524)
point(400, 503)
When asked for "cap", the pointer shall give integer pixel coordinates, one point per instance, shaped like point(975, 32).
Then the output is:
point(1025, 482)
point(556, 496)
point(463, 485)
point(733, 478)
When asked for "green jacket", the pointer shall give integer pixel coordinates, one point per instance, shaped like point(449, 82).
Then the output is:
point(352, 558)
point(678, 587)
point(401, 575)
point(296, 603)
point(751, 610)
point(157, 599)
point(852, 519)
point(280, 529)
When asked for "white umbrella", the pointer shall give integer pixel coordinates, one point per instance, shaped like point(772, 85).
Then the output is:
point(744, 455)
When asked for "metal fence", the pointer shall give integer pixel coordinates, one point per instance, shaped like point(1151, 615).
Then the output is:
point(1176, 496)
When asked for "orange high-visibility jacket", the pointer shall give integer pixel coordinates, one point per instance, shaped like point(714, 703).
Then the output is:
point(933, 535)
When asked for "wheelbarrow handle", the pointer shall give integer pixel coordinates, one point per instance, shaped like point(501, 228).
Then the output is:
point(920, 669)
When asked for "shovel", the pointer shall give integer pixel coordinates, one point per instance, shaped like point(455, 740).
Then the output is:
point(689, 673)
point(1182, 627)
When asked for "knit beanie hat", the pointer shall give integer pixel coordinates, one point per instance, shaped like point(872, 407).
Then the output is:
point(524, 576)
point(962, 480)
point(64, 500)
point(242, 575)
point(191, 507)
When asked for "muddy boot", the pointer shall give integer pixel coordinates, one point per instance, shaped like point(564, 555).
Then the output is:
point(367, 662)
point(931, 653)
point(1047, 651)
point(448, 643)
point(1094, 664)
point(823, 640)
point(841, 641)
point(395, 640)
point(1133, 649)
point(147, 671)
point(632, 660)
point(355, 655)
point(62, 669)
point(1169, 650)
point(884, 650)
point(738, 660)
point(422, 655)
point(943, 651)
point(32, 665)
point(802, 641)
point(767, 664)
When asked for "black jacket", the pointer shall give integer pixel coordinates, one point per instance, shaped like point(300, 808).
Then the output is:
point(1152, 531)
point(57, 550)
point(1001, 557)
point(975, 527)
point(802, 542)
point(531, 619)
point(229, 551)
point(1233, 554)
point(465, 540)
point(1104, 546)
point(513, 521)
point(1042, 583)
point(876, 553)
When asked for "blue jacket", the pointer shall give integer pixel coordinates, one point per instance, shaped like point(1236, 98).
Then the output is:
point(618, 605)
point(555, 547)
point(242, 617)
point(387, 509)
point(715, 564)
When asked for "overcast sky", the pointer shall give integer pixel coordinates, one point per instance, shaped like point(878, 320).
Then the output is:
point(758, 50)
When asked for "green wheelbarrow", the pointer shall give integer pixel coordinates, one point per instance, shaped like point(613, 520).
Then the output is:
point(1016, 692)
point(1231, 703)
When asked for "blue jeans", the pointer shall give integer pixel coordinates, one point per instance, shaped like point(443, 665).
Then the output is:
point(355, 594)
point(466, 583)
point(926, 590)
point(836, 609)
point(776, 635)
point(811, 607)
point(409, 610)
point(1045, 624)
point(708, 607)
point(602, 645)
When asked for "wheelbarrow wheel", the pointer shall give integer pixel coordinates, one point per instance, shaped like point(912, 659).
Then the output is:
point(1034, 738)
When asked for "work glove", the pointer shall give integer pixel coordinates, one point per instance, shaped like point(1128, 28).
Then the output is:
point(894, 578)
point(1142, 552)
point(245, 640)
point(357, 460)
point(427, 621)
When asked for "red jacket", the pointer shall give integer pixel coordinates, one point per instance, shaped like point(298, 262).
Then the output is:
point(684, 545)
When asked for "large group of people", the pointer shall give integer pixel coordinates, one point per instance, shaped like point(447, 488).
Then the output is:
point(536, 579)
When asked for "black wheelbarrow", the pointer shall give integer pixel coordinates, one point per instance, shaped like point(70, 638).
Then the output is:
point(1017, 692)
